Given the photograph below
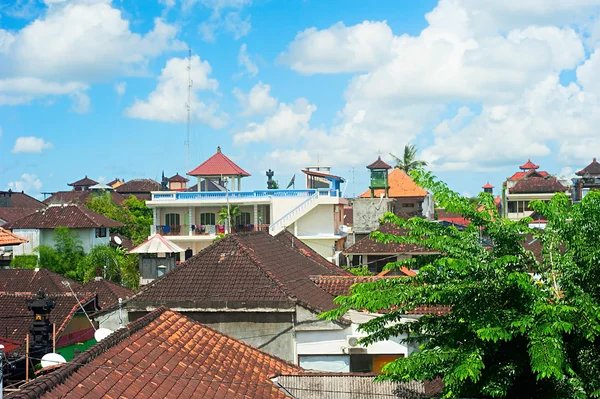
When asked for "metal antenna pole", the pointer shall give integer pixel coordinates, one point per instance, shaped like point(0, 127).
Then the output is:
point(189, 111)
point(67, 284)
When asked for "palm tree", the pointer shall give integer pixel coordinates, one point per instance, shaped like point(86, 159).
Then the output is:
point(408, 162)
point(234, 211)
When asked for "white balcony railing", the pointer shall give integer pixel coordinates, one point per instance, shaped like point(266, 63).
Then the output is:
point(233, 195)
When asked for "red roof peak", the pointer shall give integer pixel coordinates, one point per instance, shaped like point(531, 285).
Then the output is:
point(528, 165)
point(218, 165)
point(488, 185)
point(592, 169)
point(379, 164)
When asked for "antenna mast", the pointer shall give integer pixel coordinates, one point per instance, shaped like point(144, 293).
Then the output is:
point(189, 111)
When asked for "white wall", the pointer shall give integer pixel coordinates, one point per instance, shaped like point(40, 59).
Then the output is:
point(87, 236)
point(319, 220)
point(281, 206)
point(33, 235)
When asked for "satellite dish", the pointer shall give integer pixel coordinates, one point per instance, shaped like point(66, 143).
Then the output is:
point(117, 240)
point(344, 228)
point(52, 359)
point(102, 333)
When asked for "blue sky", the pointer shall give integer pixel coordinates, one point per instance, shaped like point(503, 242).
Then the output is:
point(98, 87)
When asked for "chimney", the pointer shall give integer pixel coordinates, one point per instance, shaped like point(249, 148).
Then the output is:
point(41, 330)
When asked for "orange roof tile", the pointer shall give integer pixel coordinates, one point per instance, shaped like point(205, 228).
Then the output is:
point(401, 185)
point(218, 165)
point(7, 238)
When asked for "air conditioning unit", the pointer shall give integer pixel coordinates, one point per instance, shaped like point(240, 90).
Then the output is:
point(352, 341)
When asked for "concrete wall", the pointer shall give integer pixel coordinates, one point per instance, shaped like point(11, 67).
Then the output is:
point(281, 206)
point(112, 320)
point(33, 235)
point(322, 247)
point(319, 220)
point(367, 213)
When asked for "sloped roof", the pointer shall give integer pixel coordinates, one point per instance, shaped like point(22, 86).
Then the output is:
point(534, 184)
point(138, 186)
point(155, 245)
point(179, 357)
point(291, 240)
point(15, 199)
point(17, 319)
point(245, 270)
point(521, 175)
point(401, 185)
point(452, 217)
point(178, 179)
point(107, 291)
point(379, 164)
point(207, 185)
point(32, 280)
point(68, 215)
point(8, 239)
point(324, 175)
point(369, 245)
point(11, 214)
point(218, 165)
point(488, 185)
point(529, 165)
point(86, 181)
point(79, 197)
point(593, 169)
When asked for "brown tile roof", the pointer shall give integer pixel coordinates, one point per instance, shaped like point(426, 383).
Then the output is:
point(289, 239)
point(79, 197)
point(535, 184)
point(369, 245)
point(218, 165)
point(8, 239)
point(401, 186)
point(178, 179)
point(593, 169)
point(15, 199)
point(245, 270)
point(86, 181)
point(379, 164)
point(138, 186)
point(17, 319)
point(68, 215)
point(32, 280)
point(11, 214)
point(164, 355)
point(107, 291)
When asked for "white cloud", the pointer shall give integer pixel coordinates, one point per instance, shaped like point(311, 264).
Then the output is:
point(22, 90)
point(120, 88)
point(340, 48)
point(288, 124)
point(167, 102)
point(248, 66)
point(167, 3)
point(32, 145)
point(29, 183)
point(258, 101)
point(80, 102)
point(236, 25)
point(219, 21)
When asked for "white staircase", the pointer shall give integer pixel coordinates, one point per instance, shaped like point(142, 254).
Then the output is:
point(302, 209)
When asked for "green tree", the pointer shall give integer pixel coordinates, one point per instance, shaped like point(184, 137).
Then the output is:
point(234, 211)
point(359, 270)
point(408, 161)
point(66, 254)
point(520, 325)
point(114, 264)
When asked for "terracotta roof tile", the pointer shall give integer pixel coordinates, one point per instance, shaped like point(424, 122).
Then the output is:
point(218, 165)
point(11, 214)
point(178, 179)
point(593, 169)
point(32, 280)
point(534, 184)
point(165, 354)
point(452, 217)
point(369, 245)
point(79, 197)
point(529, 165)
point(14, 199)
point(69, 215)
point(488, 185)
point(242, 270)
point(8, 239)
point(86, 181)
point(107, 291)
point(401, 185)
point(521, 175)
point(379, 164)
point(138, 186)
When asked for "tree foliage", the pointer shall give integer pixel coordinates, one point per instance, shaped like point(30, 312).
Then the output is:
point(409, 159)
point(232, 212)
point(520, 325)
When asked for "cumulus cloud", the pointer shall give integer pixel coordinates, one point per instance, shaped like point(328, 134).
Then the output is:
point(226, 17)
point(166, 102)
point(120, 88)
point(32, 145)
point(258, 101)
point(245, 62)
point(29, 183)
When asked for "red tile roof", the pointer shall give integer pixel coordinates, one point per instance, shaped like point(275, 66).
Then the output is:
point(249, 270)
point(107, 291)
point(218, 165)
point(80, 197)
point(488, 185)
point(529, 165)
point(85, 182)
point(165, 355)
point(379, 164)
point(593, 169)
point(534, 184)
point(369, 245)
point(68, 215)
point(452, 217)
point(401, 186)
point(11, 214)
point(14, 199)
point(521, 175)
point(9, 344)
point(8, 239)
point(32, 280)
point(17, 319)
point(178, 179)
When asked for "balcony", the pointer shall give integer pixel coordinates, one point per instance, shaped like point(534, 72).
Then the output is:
point(218, 196)
point(208, 231)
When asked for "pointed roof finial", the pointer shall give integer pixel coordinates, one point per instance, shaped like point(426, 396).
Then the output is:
point(218, 148)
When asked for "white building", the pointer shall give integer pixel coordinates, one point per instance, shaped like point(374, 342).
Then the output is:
point(38, 228)
point(192, 221)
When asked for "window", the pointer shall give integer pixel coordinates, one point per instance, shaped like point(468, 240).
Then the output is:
point(512, 206)
point(101, 232)
point(243, 219)
point(409, 205)
point(370, 363)
point(207, 219)
point(172, 219)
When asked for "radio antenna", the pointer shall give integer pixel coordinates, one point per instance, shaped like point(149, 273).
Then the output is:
point(189, 111)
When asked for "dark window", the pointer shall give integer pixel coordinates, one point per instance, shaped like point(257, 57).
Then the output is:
point(361, 364)
point(101, 232)
point(172, 219)
point(243, 219)
point(512, 206)
point(207, 218)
